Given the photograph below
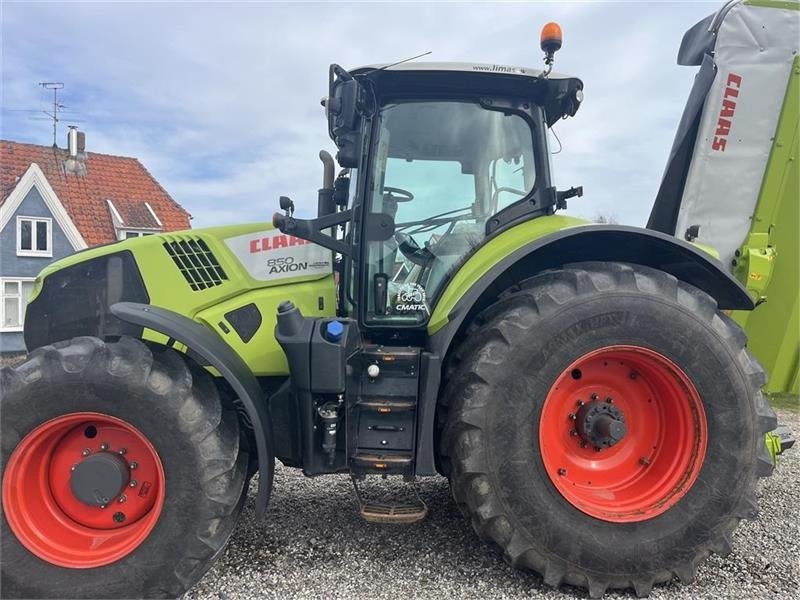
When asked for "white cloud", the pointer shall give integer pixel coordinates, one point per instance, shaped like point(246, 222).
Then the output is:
point(221, 101)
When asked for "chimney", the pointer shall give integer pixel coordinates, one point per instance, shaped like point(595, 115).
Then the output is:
point(75, 163)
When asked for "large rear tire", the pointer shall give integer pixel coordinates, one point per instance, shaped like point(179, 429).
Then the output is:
point(81, 413)
point(666, 478)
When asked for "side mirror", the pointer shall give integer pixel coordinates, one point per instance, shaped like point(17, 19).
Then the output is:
point(286, 205)
point(342, 110)
point(341, 194)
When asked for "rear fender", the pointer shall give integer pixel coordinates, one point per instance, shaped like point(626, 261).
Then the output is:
point(209, 346)
point(475, 286)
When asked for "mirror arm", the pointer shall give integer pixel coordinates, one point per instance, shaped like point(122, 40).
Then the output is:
point(311, 229)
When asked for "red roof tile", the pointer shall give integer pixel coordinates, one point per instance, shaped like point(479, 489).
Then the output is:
point(121, 179)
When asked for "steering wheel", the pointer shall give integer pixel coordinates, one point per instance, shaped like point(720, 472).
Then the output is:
point(510, 190)
point(402, 195)
point(411, 250)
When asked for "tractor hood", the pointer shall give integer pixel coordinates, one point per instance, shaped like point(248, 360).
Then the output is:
point(230, 279)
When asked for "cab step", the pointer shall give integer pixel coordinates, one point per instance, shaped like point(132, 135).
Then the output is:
point(385, 464)
point(387, 405)
point(404, 513)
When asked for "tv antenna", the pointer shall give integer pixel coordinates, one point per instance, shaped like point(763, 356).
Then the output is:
point(55, 86)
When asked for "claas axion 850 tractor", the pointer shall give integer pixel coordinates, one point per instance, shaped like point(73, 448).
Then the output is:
point(596, 411)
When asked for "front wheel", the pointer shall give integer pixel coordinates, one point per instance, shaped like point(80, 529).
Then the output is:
point(122, 473)
point(605, 427)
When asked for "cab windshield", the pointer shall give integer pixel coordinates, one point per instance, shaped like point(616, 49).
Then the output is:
point(441, 169)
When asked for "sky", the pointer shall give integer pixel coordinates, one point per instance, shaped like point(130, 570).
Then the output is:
point(220, 101)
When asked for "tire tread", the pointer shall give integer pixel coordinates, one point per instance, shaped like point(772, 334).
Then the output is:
point(460, 413)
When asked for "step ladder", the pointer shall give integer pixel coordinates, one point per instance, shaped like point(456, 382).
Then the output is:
point(382, 429)
point(405, 512)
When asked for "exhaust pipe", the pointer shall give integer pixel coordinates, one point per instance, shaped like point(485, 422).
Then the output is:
point(325, 203)
point(328, 168)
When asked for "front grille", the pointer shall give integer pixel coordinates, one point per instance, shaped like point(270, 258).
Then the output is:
point(196, 262)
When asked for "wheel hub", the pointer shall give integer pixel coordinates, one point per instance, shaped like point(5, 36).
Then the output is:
point(99, 478)
point(601, 423)
point(623, 433)
point(83, 490)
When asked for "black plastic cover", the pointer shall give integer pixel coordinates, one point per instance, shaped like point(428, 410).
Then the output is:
point(664, 215)
point(75, 301)
point(697, 42)
point(245, 321)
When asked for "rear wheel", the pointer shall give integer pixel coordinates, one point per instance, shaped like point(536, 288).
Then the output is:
point(605, 427)
point(122, 473)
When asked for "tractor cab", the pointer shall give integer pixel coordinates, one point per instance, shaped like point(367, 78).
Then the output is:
point(438, 158)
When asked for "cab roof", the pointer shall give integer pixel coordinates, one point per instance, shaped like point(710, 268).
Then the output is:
point(559, 95)
point(480, 68)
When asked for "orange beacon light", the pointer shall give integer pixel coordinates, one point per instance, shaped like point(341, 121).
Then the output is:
point(550, 41)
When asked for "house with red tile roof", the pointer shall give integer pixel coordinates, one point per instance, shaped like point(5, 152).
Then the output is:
point(54, 202)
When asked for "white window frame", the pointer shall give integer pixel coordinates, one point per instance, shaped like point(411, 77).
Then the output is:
point(20, 313)
point(48, 253)
point(122, 233)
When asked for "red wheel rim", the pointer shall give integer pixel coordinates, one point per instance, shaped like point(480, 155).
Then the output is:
point(47, 517)
point(659, 456)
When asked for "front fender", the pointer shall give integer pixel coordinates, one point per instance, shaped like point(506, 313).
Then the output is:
point(212, 349)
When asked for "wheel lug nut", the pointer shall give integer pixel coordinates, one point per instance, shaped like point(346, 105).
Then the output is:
point(562, 471)
point(102, 506)
point(580, 403)
point(73, 467)
point(573, 416)
point(122, 499)
point(122, 451)
point(583, 444)
point(132, 483)
point(573, 433)
point(634, 375)
point(119, 517)
point(594, 396)
point(609, 400)
point(86, 452)
point(134, 464)
point(104, 446)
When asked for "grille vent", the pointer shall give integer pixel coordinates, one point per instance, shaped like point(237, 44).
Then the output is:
point(195, 260)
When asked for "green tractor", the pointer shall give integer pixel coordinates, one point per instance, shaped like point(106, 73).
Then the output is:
point(596, 411)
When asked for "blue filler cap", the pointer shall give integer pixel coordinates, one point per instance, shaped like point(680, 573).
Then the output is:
point(334, 331)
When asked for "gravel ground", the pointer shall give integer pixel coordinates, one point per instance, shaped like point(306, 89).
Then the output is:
point(314, 545)
point(11, 360)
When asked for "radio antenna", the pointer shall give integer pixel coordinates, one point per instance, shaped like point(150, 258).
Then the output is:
point(405, 60)
point(55, 86)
